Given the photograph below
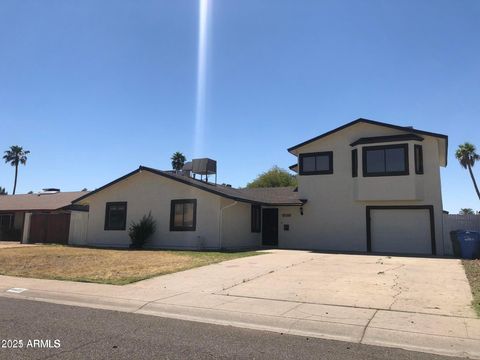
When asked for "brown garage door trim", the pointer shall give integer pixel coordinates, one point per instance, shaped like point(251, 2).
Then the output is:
point(401, 207)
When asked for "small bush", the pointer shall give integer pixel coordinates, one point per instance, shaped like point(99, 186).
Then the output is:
point(139, 232)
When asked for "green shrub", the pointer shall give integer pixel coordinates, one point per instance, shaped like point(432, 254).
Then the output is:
point(139, 232)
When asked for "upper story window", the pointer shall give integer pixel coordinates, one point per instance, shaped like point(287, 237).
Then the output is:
point(385, 160)
point(183, 215)
point(418, 159)
point(116, 216)
point(316, 163)
point(354, 163)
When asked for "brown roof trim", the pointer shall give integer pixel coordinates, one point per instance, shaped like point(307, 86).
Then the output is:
point(384, 139)
point(186, 182)
point(219, 193)
point(378, 123)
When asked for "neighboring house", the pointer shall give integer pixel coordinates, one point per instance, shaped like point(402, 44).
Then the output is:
point(365, 186)
point(40, 217)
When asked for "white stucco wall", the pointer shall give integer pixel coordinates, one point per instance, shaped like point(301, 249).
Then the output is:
point(333, 217)
point(146, 192)
point(236, 229)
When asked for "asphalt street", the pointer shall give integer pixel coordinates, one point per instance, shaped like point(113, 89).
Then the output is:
point(49, 331)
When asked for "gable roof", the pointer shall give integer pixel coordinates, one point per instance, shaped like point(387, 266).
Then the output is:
point(47, 202)
point(408, 129)
point(263, 196)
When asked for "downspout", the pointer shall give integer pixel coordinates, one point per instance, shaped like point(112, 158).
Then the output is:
point(220, 229)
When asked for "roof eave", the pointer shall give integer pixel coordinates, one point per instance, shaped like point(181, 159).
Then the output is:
point(366, 121)
point(168, 176)
point(106, 185)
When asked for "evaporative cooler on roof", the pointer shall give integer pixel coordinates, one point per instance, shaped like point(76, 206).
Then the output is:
point(204, 167)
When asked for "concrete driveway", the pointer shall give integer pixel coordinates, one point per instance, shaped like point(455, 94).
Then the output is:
point(420, 304)
point(420, 285)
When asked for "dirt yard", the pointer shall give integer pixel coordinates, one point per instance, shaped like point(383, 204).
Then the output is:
point(106, 266)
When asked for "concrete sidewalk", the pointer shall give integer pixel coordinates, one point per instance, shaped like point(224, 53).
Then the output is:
point(14, 244)
point(262, 292)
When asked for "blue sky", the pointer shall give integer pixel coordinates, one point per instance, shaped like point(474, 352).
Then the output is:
point(96, 88)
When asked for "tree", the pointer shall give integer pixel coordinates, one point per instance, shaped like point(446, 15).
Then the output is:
point(178, 160)
point(466, 211)
point(16, 156)
point(3, 191)
point(275, 177)
point(467, 156)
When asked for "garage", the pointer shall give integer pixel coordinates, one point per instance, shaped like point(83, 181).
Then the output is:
point(401, 230)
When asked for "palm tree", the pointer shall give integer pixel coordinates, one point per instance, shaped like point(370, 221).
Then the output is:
point(3, 191)
point(15, 156)
point(466, 211)
point(178, 160)
point(467, 156)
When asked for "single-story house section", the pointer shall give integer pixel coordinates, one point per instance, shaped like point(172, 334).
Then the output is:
point(190, 213)
point(366, 186)
point(39, 217)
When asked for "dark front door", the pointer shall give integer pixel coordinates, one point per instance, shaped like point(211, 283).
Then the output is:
point(270, 227)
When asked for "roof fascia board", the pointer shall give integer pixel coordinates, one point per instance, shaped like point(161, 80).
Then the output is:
point(166, 175)
point(371, 122)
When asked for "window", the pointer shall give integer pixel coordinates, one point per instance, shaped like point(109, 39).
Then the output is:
point(316, 163)
point(6, 221)
point(354, 163)
point(418, 159)
point(183, 215)
point(387, 160)
point(256, 218)
point(115, 216)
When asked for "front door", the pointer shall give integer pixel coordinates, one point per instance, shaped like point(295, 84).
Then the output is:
point(270, 227)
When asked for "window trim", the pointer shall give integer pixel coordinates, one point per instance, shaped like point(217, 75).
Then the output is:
point(354, 163)
point(172, 215)
point(253, 213)
point(316, 172)
point(107, 226)
point(418, 154)
point(365, 149)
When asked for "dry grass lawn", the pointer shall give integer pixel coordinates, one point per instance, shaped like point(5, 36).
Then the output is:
point(105, 266)
point(472, 269)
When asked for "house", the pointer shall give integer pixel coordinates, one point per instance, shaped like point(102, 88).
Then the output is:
point(365, 186)
point(190, 213)
point(39, 217)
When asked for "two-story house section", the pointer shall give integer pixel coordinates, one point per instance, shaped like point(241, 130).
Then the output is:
point(368, 186)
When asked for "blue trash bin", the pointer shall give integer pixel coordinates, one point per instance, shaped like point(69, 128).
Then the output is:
point(469, 242)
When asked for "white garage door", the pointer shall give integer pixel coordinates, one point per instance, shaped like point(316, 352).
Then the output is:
point(402, 231)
